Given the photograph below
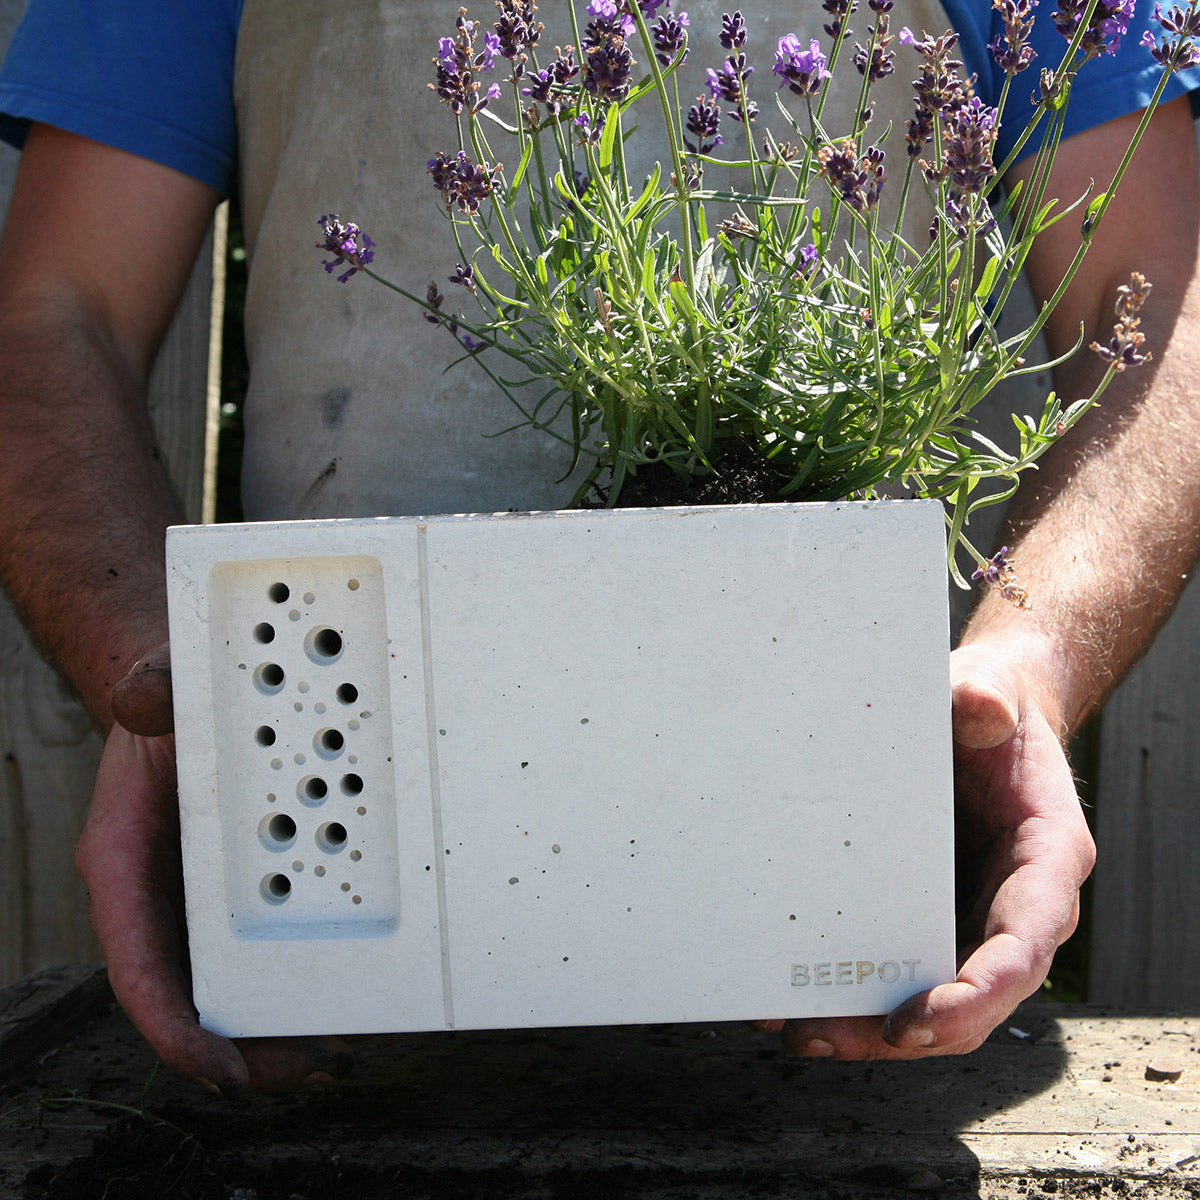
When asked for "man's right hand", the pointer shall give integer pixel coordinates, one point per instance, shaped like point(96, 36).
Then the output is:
point(129, 857)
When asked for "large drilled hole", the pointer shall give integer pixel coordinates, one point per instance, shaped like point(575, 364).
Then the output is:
point(323, 645)
point(277, 831)
point(352, 784)
point(268, 678)
point(331, 837)
point(264, 632)
point(312, 789)
point(347, 693)
point(264, 735)
point(279, 592)
point(329, 743)
point(275, 888)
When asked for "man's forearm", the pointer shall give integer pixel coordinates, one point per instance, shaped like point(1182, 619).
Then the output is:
point(84, 496)
point(1106, 531)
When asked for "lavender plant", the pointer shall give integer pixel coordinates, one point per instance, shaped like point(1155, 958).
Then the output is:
point(663, 320)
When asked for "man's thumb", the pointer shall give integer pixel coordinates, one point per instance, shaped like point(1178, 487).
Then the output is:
point(141, 701)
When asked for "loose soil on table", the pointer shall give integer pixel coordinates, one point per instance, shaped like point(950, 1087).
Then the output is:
point(140, 1161)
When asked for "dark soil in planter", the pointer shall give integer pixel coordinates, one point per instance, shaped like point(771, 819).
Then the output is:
point(742, 476)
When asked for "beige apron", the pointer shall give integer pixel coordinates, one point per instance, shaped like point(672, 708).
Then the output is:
point(349, 411)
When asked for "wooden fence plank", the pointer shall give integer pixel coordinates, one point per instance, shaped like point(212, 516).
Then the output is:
point(48, 750)
point(1145, 940)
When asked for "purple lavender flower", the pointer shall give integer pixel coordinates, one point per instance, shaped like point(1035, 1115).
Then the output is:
point(724, 84)
point(800, 70)
point(939, 91)
point(733, 30)
point(669, 36)
point(517, 29)
point(808, 260)
point(650, 8)
point(877, 61)
point(472, 345)
point(459, 60)
point(609, 20)
point(541, 88)
point(839, 10)
point(347, 243)
point(464, 276)
point(589, 133)
point(970, 135)
point(729, 84)
point(462, 181)
point(1010, 49)
point(1125, 347)
point(857, 180)
point(1109, 21)
point(703, 121)
point(996, 570)
point(564, 67)
point(966, 216)
point(607, 69)
point(1178, 53)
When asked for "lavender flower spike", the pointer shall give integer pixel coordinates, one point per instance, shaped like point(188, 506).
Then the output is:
point(703, 121)
point(347, 243)
point(1010, 49)
point(670, 37)
point(1180, 52)
point(1110, 20)
point(800, 70)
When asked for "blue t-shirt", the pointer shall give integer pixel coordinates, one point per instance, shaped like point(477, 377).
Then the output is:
point(171, 100)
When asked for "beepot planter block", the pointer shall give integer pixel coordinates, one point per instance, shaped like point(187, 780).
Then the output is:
point(564, 768)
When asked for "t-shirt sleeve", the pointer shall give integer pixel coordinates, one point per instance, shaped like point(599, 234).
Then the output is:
point(153, 79)
point(1105, 88)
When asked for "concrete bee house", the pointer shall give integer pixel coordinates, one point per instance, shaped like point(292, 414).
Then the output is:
point(563, 768)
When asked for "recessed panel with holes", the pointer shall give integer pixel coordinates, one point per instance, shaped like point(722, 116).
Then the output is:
point(563, 768)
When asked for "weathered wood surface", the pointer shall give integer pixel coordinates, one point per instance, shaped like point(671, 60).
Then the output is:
point(1056, 1102)
point(1146, 912)
point(49, 751)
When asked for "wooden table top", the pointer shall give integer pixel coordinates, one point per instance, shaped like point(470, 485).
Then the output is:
point(1057, 1102)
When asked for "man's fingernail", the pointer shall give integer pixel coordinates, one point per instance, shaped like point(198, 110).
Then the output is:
point(818, 1048)
point(318, 1077)
point(212, 1087)
point(915, 1038)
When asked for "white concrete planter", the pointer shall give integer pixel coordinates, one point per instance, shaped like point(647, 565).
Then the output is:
point(564, 768)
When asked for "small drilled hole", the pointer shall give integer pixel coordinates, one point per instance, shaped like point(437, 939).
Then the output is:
point(276, 888)
point(329, 743)
point(279, 592)
point(347, 693)
point(332, 837)
point(313, 789)
point(323, 644)
point(268, 678)
point(264, 632)
point(264, 735)
point(352, 784)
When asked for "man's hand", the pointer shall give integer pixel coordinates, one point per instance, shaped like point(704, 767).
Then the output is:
point(129, 857)
point(1023, 851)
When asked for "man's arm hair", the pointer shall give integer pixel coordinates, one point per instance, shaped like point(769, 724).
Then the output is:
point(97, 249)
point(1104, 534)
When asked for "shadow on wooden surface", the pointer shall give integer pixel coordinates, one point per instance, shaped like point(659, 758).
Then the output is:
point(1057, 1101)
